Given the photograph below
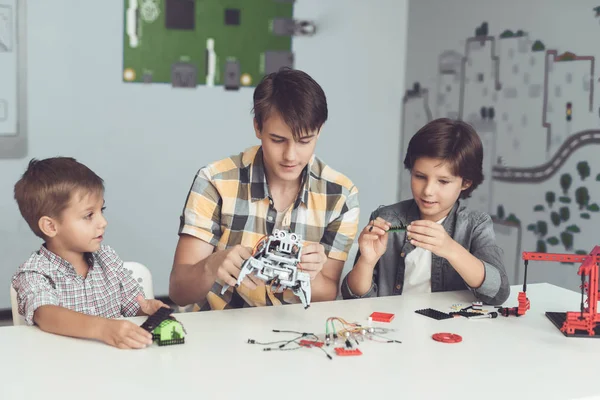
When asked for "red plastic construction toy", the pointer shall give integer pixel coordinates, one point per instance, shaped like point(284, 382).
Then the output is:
point(445, 337)
point(382, 317)
point(310, 343)
point(588, 318)
point(347, 352)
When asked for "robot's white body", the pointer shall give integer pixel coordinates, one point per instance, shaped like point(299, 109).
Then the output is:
point(276, 262)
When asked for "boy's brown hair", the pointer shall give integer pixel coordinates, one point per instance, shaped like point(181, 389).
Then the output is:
point(453, 141)
point(47, 187)
point(295, 96)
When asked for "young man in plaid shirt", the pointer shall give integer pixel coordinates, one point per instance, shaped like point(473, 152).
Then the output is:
point(280, 184)
point(73, 285)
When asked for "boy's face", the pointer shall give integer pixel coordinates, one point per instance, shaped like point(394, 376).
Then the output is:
point(284, 158)
point(81, 226)
point(435, 188)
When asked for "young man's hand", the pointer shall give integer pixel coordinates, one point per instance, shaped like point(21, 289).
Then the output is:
point(313, 258)
point(228, 263)
point(149, 306)
point(124, 334)
point(372, 241)
point(430, 236)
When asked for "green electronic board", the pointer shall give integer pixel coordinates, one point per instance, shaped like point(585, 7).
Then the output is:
point(229, 43)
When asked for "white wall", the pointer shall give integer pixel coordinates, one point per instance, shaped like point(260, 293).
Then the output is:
point(517, 132)
point(147, 142)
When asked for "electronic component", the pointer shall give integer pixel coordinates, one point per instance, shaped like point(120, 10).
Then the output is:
point(340, 351)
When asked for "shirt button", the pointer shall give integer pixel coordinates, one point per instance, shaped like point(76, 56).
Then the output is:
point(270, 218)
point(402, 254)
point(92, 309)
point(398, 287)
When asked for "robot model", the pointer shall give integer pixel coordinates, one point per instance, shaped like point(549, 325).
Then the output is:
point(276, 261)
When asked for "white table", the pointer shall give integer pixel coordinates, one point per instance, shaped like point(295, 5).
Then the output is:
point(503, 358)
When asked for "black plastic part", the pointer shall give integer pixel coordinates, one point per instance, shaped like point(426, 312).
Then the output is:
point(155, 319)
point(559, 318)
point(435, 314)
point(171, 342)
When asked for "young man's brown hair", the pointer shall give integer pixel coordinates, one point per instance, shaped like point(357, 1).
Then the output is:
point(295, 96)
point(456, 143)
point(47, 187)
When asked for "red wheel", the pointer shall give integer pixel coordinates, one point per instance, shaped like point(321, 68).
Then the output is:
point(447, 337)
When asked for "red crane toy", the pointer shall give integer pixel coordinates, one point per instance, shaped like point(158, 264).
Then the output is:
point(588, 318)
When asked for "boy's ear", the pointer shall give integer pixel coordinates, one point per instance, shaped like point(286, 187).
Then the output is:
point(466, 184)
point(48, 226)
point(256, 130)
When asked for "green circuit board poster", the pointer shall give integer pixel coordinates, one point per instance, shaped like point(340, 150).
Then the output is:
point(189, 43)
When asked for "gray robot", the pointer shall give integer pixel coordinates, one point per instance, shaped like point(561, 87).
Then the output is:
point(276, 262)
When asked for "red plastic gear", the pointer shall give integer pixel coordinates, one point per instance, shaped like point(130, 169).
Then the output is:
point(445, 337)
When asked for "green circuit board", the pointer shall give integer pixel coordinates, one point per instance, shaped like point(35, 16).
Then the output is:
point(186, 43)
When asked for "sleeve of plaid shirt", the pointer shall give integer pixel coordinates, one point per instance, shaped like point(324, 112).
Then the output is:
point(130, 289)
point(340, 233)
point(33, 291)
point(202, 214)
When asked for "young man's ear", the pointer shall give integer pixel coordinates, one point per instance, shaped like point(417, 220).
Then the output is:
point(466, 184)
point(48, 226)
point(256, 130)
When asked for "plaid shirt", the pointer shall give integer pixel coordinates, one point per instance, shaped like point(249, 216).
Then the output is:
point(47, 279)
point(229, 204)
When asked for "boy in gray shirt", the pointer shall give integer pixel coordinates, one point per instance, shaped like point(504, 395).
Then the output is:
point(445, 246)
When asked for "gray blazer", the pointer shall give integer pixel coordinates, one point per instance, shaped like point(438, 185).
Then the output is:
point(473, 230)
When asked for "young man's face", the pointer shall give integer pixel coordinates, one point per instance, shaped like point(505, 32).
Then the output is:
point(284, 158)
point(435, 188)
point(82, 224)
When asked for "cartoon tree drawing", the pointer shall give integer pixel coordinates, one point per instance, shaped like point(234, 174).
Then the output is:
point(583, 168)
point(552, 240)
point(585, 215)
point(513, 218)
point(519, 33)
point(538, 46)
point(542, 228)
point(541, 246)
point(567, 240)
point(573, 228)
point(482, 30)
point(582, 197)
point(565, 182)
point(550, 198)
point(538, 207)
point(555, 218)
point(593, 207)
point(564, 213)
point(507, 34)
point(564, 199)
point(598, 177)
point(500, 213)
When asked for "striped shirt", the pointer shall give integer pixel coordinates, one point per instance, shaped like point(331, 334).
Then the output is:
point(47, 279)
point(229, 204)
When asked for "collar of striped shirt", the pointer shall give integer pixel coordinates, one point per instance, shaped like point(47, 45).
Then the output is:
point(259, 188)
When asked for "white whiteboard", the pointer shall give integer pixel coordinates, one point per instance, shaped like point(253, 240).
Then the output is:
point(13, 143)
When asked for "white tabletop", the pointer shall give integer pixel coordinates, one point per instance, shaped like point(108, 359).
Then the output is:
point(503, 358)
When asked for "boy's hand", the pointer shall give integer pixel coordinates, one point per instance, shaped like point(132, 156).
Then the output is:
point(149, 306)
point(430, 236)
point(312, 259)
point(228, 263)
point(373, 239)
point(124, 334)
